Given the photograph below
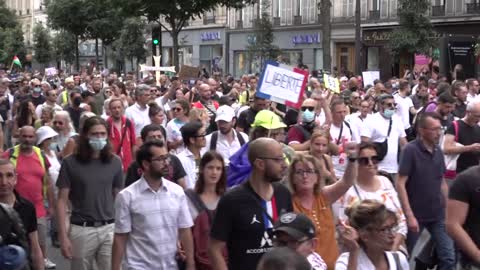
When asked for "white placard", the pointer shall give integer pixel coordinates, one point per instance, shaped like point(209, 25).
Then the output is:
point(369, 77)
point(282, 83)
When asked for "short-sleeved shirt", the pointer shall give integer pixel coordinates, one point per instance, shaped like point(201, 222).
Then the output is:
point(341, 136)
point(91, 187)
point(466, 188)
point(403, 109)
point(26, 212)
point(460, 110)
point(244, 226)
point(175, 171)
point(139, 116)
point(425, 171)
point(376, 129)
point(30, 175)
point(152, 219)
point(467, 135)
point(223, 147)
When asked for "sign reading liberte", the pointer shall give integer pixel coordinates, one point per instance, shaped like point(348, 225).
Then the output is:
point(282, 84)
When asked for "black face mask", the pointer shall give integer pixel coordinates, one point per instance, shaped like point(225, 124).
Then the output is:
point(77, 101)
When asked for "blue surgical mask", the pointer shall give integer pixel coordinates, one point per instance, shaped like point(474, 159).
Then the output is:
point(53, 146)
point(388, 113)
point(97, 143)
point(37, 90)
point(308, 116)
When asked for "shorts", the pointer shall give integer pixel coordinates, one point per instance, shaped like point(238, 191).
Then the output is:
point(42, 228)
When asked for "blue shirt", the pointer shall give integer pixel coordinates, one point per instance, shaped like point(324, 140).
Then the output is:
point(424, 170)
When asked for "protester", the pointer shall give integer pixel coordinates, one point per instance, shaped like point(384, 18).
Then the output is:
point(151, 215)
point(203, 202)
point(180, 118)
point(193, 134)
point(245, 216)
point(298, 136)
point(283, 258)
point(319, 143)
point(138, 112)
point(368, 237)
point(91, 196)
point(247, 117)
point(64, 143)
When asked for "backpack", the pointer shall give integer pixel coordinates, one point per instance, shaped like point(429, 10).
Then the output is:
point(12, 231)
point(214, 139)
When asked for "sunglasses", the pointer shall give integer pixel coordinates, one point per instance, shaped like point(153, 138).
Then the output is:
point(58, 123)
point(366, 160)
point(177, 109)
point(310, 108)
point(391, 105)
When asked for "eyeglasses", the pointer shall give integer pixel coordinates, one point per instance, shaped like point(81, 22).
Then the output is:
point(177, 109)
point(366, 160)
point(58, 123)
point(164, 159)
point(386, 230)
point(277, 159)
point(355, 97)
point(200, 135)
point(310, 108)
point(390, 105)
point(305, 172)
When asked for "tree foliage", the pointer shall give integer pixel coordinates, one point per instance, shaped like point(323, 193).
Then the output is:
point(41, 44)
point(8, 19)
point(261, 46)
point(11, 44)
point(63, 45)
point(132, 40)
point(175, 12)
point(415, 33)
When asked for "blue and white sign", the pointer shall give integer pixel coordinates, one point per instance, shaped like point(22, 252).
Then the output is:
point(209, 36)
point(306, 39)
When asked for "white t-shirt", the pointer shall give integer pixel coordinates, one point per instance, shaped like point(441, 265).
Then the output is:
point(139, 117)
point(364, 262)
point(340, 161)
point(174, 134)
point(403, 109)
point(356, 124)
point(376, 129)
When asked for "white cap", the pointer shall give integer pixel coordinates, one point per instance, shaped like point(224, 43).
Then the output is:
point(44, 133)
point(343, 79)
point(225, 113)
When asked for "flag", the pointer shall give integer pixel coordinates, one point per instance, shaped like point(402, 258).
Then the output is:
point(16, 61)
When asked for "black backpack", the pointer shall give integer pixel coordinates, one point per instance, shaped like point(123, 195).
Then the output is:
point(12, 231)
point(214, 139)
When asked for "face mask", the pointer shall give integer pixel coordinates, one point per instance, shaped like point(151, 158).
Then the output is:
point(97, 143)
point(388, 113)
point(308, 116)
point(77, 101)
point(53, 146)
point(37, 90)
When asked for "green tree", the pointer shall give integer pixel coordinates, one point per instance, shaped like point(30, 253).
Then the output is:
point(131, 43)
point(11, 44)
point(261, 46)
point(70, 16)
point(41, 44)
point(8, 19)
point(415, 33)
point(176, 13)
point(63, 47)
point(325, 7)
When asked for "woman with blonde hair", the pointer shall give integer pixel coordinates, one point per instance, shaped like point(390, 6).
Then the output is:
point(368, 237)
point(311, 197)
point(199, 114)
point(319, 143)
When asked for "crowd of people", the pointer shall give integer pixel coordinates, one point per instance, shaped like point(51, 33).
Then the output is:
point(121, 172)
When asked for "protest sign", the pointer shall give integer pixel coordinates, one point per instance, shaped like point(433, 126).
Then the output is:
point(369, 77)
point(188, 72)
point(331, 83)
point(282, 84)
point(51, 71)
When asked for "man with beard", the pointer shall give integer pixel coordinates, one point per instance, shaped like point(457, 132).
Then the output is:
point(298, 136)
point(151, 216)
point(246, 214)
point(64, 97)
point(445, 107)
point(33, 181)
point(99, 96)
point(226, 140)
point(460, 91)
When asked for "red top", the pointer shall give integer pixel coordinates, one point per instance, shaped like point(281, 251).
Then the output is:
point(199, 105)
point(115, 136)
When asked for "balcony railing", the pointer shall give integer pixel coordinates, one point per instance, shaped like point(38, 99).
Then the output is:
point(297, 20)
point(438, 11)
point(239, 24)
point(374, 14)
point(473, 8)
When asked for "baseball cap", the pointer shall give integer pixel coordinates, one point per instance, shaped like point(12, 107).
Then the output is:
point(296, 225)
point(268, 120)
point(225, 113)
point(44, 133)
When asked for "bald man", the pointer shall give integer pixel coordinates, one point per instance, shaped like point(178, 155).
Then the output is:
point(245, 215)
point(206, 102)
point(298, 136)
point(32, 178)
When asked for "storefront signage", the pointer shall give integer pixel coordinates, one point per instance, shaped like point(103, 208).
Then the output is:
point(209, 36)
point(377, 36)
point(306, 39)
point(282, 84)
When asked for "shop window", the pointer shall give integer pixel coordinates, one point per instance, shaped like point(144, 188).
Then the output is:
point(373, 55)
point(211, 58)
point(184, 56)
point(292, 58)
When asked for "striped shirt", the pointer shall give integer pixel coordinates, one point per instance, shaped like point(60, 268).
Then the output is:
point(152, 219)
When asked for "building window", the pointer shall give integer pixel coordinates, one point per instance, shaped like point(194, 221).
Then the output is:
point(248, 16)
point(211, 58)
point(184, 56)
point(373, 56)
point(292, 57)
point(309, 11)
point(286, 12)
point(318, 59)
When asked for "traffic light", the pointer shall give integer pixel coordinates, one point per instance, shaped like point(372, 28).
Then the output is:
point(156, 35)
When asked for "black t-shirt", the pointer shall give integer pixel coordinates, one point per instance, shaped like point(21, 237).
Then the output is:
point(37, 100)
point(75, 116)
point(466, 188)
point(467, 135)
point(460, 110)
point(26, 211)
point(245, 227)
point(175, 171)
point(246, 119)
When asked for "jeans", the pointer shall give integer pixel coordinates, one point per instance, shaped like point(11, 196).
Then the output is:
point(443, 243)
